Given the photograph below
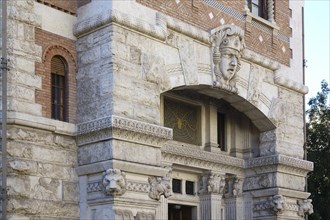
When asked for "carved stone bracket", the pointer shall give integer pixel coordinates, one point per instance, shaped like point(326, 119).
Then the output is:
point(160, 186)
point(114, 182)
point(275, 204)
point(305, 207)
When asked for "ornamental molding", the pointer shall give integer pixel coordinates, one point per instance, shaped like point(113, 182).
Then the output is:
point(187, 155)
point(121, 123)
point(291, 84)
point(96, 186)
point(279, 160)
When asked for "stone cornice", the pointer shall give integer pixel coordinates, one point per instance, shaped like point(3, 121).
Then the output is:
point(124, 124)
point(158, 30)
point(254, 57)
point(290, 84)
point(201, 155)
point(279, 160)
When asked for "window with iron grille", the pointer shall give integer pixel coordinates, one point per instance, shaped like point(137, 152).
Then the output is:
point(58, 88)
point(176, 186)
point(184, 119)
point(258, 8)
point(190, 188)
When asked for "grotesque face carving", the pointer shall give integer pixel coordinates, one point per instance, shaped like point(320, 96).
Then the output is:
point(228, 45)
point(228, 63)
point(114, 182)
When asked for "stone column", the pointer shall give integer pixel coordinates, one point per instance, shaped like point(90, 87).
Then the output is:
point(211, 193)
point(162, 210)
point(210, 206)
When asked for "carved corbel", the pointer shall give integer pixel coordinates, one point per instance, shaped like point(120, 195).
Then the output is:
point(114, 182)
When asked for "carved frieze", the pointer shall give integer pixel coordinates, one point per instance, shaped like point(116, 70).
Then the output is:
point(228, 45)
point(262, 181)
point(114, 182)
point(212, 183)
point(160, 186)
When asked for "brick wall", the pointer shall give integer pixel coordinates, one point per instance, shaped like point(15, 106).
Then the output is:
point(206, 17)
point(82, 2)
point(52, 45)
point(68, 6)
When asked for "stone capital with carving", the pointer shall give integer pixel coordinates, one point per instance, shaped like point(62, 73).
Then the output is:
point(114, 182)
point(228, 45)
point(212, 183)
point(160, 186)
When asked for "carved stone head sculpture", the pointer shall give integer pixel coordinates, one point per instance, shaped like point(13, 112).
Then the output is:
point(160, 186)
point(114, 182)
point(228, 44)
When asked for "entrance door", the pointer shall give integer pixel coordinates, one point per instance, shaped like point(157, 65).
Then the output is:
point(179, 212)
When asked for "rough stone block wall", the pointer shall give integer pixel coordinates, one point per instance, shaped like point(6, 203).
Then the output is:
point(42, 181)
point(52, 45)
point(68, 6)
point(95, 83)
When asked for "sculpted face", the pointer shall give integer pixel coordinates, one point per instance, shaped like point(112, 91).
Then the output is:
point(228, 63)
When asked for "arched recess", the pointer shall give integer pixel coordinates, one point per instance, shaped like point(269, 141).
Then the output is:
point(43, 96)
point(227, 121)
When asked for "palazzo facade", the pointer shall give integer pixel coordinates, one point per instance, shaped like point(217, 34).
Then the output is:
point(147, 109)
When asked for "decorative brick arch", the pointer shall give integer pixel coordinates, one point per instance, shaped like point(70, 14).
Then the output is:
point(43, 69)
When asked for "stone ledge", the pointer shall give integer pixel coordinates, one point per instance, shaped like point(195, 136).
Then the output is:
point(38, 122)
point(122, 165)
point(279, 160)
point(124, 124)
point(197, 154)
point(290, 84)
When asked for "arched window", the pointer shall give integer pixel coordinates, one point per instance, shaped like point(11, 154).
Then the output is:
point(58, 88)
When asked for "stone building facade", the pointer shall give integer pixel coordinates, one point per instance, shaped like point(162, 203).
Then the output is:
point(147, 109)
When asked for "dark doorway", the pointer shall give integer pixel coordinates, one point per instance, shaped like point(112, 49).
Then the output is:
point(180, 212)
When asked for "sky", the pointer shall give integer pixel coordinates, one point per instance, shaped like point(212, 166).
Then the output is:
point(317, 45)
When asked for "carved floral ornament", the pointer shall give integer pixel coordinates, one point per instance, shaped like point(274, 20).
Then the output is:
point(114, 182)
point(228, 45)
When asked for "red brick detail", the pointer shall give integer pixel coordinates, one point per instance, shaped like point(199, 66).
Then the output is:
point(82, 2)
point(201, 15)
point(67, 6)
point(53, 45)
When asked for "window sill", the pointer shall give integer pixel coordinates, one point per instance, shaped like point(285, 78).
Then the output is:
point(249, 17)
